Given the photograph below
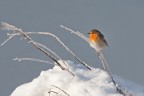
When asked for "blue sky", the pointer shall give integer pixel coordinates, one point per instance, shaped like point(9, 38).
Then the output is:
point(121, 22)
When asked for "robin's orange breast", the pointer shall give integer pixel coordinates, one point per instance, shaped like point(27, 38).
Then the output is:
point(94, 38)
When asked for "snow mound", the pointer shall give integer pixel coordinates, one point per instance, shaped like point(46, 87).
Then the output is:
point(57, 82)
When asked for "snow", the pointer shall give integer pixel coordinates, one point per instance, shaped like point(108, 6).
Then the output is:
point(57, 82)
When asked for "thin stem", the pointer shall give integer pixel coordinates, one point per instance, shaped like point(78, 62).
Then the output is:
point(7, 26)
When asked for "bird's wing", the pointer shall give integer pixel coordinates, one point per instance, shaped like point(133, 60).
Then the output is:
point(106, 42)
point(102, 36)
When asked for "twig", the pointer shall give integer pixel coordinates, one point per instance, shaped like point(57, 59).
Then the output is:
point(60, 89)
point(52, 92)
point(100, 55)
point(7, 26)
point(47, 33)
point(7, 40)
point(41, 45)
point(87, 40)
point(32, 59)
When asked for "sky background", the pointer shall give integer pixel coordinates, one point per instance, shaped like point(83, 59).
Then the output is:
point(121, 22)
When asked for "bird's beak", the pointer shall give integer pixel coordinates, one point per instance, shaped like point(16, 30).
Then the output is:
point(88, 33)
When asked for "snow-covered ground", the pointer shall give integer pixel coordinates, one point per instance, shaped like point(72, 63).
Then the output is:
point(57, 82)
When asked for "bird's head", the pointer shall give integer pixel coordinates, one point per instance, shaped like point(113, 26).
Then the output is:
point(94, 34)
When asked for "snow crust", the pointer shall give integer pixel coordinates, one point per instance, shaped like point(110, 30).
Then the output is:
point(57, 82)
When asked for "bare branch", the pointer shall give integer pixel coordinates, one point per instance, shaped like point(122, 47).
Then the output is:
point(50, 91)
point(7, 26)
point(7, 39)
point(43, 46)
point(47, 33)
point(87, 40)
point(60, 89)
point(100, 55)
point(32, 59)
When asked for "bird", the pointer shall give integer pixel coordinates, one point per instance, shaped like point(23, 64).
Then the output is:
point(97, 38)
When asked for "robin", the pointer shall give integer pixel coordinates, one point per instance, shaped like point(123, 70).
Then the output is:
point(96, 37)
